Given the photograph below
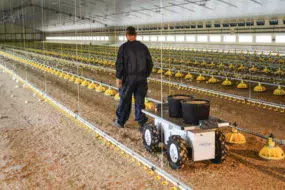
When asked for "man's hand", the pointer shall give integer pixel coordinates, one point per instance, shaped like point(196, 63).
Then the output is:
point(119, 83)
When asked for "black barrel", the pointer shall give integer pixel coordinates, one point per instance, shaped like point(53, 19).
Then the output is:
point(195, 110)
point(174, 104)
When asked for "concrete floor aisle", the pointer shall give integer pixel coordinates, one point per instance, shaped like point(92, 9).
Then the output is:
point(42, 149)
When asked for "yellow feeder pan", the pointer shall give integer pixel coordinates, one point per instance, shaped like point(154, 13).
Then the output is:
point(85, 83)
point(235, 137)
point(212, 64)
point(110, 92)
point(212, 80)
point(67, 77)
point(100, 88)
point(49, 70)
point(182, 61)
point(196, 62)
point(227, 82)
point(200, 78)
point(160, 71)
point(92, 86)
point(46, 69)
point(62, 75)
point(179, 74)
point(259, 88)
point(188, 62)
point(57, 73)
point(271, 152)
point(168, 73)
point(149, 105)
point(72, 78)
point(77, 81)
point(279, 72)
point(242, 85)
point(203, 64)
point(154, 70)
point(53, 71)
point(221, 65)
point(231, 66)
point(117, 96)
point(270, 60)
point(279, 91)
point(266, 70)
point(241, 68)
point(253, 69)
point(188, 76)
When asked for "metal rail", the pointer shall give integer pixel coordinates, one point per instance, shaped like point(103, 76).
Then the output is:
point(281, 142)
point(77, 117)
point(281, 106)
point(219, 76)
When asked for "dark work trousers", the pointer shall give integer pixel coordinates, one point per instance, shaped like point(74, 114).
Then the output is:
point(124, 109)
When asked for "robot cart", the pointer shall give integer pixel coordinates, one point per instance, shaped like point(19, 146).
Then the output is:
point(201, 142)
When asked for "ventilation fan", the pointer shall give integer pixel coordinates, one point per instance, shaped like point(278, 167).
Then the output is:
point(260, 22)
point(226, 24)
point(273, 22)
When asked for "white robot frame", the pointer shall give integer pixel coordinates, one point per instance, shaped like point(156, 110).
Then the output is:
point(181, 139)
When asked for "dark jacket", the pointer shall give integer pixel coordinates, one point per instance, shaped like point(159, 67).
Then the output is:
point(134, 62)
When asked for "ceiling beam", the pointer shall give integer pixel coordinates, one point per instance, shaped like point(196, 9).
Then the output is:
point(227, 3)
point(256, 2)
point(197, 3)
point(182, 7)
point(69, 14)
point(166, 9)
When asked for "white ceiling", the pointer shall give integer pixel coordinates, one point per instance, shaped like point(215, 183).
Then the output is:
point(59, 15)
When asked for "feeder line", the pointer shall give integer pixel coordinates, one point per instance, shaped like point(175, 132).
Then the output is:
point(223, 77)
point(281, 142)
point(217, 93)
point(172, 69)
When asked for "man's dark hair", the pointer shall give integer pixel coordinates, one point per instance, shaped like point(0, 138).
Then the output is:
point(131, 31)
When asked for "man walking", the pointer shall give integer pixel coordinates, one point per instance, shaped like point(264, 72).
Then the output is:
point(133, 67)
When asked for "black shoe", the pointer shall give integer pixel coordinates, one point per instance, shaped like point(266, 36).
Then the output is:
point(142, 123)
point(118, 124)
point(141, 129)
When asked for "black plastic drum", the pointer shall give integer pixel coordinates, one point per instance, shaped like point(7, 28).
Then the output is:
point(195, 110)
point(174, 104)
